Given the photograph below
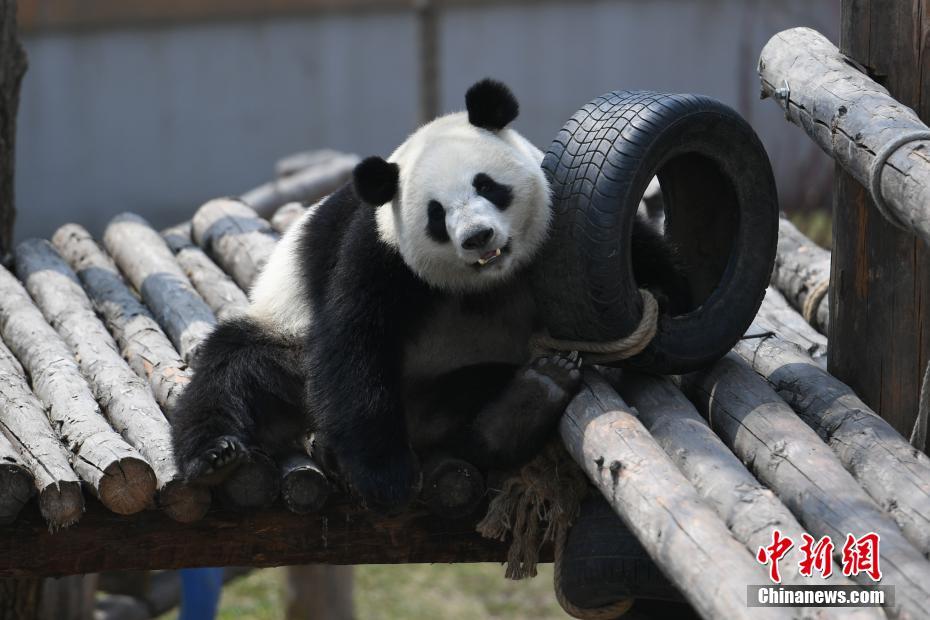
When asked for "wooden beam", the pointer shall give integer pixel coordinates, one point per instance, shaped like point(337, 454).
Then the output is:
point(880, 303)
point(342, 533)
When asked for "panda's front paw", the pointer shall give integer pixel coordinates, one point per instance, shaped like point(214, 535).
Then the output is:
point(386, 485)
point(215, 463)
point(559, 375)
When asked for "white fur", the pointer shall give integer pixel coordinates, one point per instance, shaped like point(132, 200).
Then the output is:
point(439, 162)
point(278, 300)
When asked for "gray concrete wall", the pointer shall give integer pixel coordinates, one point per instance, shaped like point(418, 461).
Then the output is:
point(159, 120)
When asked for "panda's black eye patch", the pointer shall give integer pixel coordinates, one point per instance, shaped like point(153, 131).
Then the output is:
point(496, 193)
point(436, 224)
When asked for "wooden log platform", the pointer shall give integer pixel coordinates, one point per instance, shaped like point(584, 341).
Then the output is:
point(153, 314)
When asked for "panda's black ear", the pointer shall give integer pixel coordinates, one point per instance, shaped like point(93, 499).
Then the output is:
point(491, 105)
point(375, 180)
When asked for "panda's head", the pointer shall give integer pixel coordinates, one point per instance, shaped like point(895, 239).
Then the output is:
point(463, 199)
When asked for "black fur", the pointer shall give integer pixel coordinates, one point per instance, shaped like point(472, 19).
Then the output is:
point(491, 105)
point(436, 222)
point(498, 194)
point(253, 391)
point(376, 180)
point(656, 267)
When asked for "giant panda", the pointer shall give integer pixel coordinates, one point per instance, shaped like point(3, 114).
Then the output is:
point(393, 320)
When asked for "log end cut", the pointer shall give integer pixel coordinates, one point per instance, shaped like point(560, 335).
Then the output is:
point(253, 485)
point(184, 503)
point(128, 486)
point(16, 488)
point(305, 489)
point(61, 504)
point(452, 488)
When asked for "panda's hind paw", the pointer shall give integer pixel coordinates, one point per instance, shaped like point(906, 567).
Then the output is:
point(216, 463)
point(562, 368)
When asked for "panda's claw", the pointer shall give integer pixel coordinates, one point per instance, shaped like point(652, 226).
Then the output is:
point(217, 462)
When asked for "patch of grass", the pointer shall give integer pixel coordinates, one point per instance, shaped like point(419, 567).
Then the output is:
point(408, 592)
point(817, 225)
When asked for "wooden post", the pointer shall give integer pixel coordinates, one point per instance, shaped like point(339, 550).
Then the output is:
point(880, 302)
point(12, 68)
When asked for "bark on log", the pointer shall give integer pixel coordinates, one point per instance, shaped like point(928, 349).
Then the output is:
point(308, 185)
point(235, 237)
point(12, 68)
point(113, 469)
point(802, 267)
point(148, 263)
point(17, 485)
point(24, 423)
point(883, 462)
point(343, 533)
point(749, 509)
point(679, 531)
point(789, 458)
point(144, 345)
point(304, 486)
point(851, 117)
point(284, 217)
point(223, 296)
point(777, 316)
point(124, 396)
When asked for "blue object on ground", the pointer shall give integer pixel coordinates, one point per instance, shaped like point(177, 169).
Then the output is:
point(200, 593)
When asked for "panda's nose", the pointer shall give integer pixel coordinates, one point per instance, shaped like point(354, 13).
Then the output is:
point(478, 239)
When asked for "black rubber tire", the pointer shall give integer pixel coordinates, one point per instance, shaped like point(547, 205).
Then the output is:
point(721, 211)
point(603, 562)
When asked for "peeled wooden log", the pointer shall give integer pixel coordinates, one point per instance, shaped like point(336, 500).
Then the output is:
point(113, 469)
point(16, 482)
point(144, 345)
point(452, 488)
point(802, 274)
point(124, 396)
point(284, 217)
point(679, 531)
point(147, 261)
point(235, 237)
point(297, 162)
point(24, 424)
point(883, 462)
point(750, 510)
point(851, 117)
point(777, 316)
point(307, 185)
point(223, 296)
point(789, 458)
point(304, 486)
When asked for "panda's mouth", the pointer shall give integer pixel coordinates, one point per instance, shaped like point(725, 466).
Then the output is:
point(491, 256)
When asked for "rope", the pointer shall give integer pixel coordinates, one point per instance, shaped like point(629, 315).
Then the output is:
point(878, 165)
point(918, 438)
point(613, 350)
point(812, 303)
point(538, 504)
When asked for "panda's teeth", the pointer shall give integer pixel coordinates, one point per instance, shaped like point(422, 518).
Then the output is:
point(490, 256)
